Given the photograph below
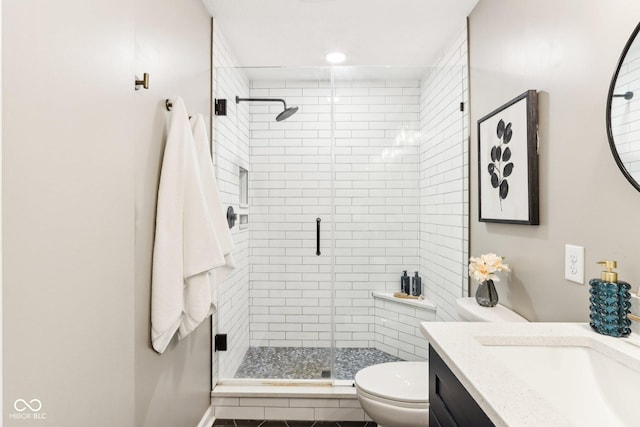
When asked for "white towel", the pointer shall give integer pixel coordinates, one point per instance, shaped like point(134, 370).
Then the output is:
point(201, 290)
point(212, 196)
point(185, 243)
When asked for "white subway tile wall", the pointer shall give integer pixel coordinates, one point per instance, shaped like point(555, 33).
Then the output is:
point(231, 145)
point(284, 408)
point(376, 207)
point(444, 191)
point(397, 329)
point(625, 114)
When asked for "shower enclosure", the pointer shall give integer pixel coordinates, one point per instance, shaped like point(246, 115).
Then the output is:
point(331, 202)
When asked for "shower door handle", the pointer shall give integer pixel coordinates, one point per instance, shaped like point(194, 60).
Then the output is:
point(318, 236)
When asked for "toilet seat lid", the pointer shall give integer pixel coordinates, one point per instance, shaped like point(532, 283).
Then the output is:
point(401, 381)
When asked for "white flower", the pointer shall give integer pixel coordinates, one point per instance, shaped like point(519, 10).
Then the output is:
point(485, 267)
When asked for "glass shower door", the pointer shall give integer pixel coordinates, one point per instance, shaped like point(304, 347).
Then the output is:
point(286, 332)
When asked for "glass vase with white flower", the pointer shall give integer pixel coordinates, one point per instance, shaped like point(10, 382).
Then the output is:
point(484, 269)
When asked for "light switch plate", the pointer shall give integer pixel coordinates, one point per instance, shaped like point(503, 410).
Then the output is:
point(574, 263)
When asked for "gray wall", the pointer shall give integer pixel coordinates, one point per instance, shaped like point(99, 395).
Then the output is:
point(568, 51)
point(81, 157)
point(173, 44)
point(68, 211)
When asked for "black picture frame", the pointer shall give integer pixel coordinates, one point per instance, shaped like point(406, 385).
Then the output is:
point(508, 162)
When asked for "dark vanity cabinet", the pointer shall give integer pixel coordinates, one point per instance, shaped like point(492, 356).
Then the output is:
point(450, 404)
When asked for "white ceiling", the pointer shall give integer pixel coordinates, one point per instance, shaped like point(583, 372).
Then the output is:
point(370, 32)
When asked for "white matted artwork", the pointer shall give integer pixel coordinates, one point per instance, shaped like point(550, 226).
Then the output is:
point(508, 162)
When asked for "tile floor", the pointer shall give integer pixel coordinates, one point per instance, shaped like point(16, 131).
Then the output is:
point(257, 423)
point(308, 362)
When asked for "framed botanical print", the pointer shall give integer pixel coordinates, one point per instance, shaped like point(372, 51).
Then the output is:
point(508, 162)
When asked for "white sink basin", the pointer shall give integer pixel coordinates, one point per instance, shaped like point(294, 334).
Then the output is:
point(587, 386)
point(543, 374)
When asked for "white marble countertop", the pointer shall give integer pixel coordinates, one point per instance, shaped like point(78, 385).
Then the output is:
point(504, 397)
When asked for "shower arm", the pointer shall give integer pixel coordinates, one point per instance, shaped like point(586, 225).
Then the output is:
point(238, 100)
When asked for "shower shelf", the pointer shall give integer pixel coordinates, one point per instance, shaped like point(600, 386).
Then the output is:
point(421, 304)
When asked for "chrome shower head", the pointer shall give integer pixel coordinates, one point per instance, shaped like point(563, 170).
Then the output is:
point(288, 112)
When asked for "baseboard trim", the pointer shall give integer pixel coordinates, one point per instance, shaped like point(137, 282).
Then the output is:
point(208, 418)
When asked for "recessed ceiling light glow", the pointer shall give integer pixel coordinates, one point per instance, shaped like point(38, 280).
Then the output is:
point(335, 57)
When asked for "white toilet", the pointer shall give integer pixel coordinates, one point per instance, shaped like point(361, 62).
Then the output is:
point(396, 394)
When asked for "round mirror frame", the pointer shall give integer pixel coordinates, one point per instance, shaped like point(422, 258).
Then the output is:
point(614, 79)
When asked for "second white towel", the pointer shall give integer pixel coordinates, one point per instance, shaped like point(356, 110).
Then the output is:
point(201, 290)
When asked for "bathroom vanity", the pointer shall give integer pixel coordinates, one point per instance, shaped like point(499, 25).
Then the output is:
point(450, 404)
point(537, 374)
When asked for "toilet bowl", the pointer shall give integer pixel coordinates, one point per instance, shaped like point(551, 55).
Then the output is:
point(396, 394)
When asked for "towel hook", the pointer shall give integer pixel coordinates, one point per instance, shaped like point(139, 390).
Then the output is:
point(169, 105)
point(144, 82)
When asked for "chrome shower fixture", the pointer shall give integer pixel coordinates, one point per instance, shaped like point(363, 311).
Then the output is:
point(288, 112)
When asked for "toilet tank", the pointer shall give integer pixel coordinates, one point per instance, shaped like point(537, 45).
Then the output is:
point(470, 311)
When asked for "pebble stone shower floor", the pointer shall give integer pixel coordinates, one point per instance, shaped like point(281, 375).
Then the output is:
point(305, 363)
point(308, 362)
